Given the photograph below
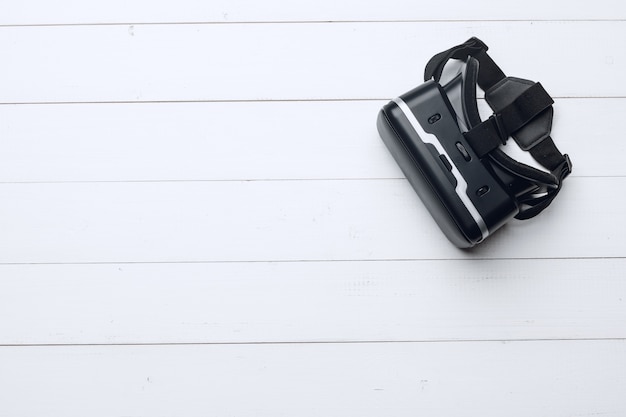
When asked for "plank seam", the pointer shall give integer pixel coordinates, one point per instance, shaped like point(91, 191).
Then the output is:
point(306, 22)
point(182, 262)
point(168, 181)
point(278, 100)
point(349, 342)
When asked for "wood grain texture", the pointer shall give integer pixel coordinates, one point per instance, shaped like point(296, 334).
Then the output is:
point(400, 379)
point(197, 216)
point(280, 140)
point(313, 301)
point(292, 61)
point(282, 220)
point(143, 11)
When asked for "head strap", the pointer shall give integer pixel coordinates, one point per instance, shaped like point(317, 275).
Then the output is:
point(489, 73)
point(522, 110)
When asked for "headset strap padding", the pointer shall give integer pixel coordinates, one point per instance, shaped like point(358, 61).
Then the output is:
point(493, 132)
point(486, 137)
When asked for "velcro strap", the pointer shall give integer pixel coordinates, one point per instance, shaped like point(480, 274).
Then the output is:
point(525, 107)
point(487, 136)
point(494, 131)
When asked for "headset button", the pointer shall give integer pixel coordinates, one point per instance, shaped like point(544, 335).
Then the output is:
point(446, 162)
point(463, 151)
point(482, 190)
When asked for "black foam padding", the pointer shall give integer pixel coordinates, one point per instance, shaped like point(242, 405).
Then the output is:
point(470, 106)
point(506, 92)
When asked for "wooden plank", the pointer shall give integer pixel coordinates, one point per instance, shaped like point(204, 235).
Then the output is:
point(292, 61)
point(192, 141)
point(281, 220)
point(400, 379)
point(120, 11)
point(313, 301)
point(281, 140)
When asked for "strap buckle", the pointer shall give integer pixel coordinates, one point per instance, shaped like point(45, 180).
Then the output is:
point(566, 167)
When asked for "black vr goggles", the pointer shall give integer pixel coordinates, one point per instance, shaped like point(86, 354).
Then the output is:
point(453, 159)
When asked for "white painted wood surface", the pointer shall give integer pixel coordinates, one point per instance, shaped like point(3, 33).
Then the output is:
point(206, 141)
point(401, 379)
point(247, 302)
point(197, 216)
point(295, 61)
point(38, 12)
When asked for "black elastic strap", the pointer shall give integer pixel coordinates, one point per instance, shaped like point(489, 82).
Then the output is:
point(533, 206)
point(527, 172)
point(435, 65)
point(488, 135)
point(547, 154)
point(489, 73)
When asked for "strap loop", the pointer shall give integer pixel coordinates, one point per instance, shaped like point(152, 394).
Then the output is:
point(487, 136)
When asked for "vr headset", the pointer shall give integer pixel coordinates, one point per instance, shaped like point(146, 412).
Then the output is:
point(454, 160)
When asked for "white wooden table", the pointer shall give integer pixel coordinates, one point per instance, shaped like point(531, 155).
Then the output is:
point(198, 218)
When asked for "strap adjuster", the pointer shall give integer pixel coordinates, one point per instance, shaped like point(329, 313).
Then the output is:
point(566, 167)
